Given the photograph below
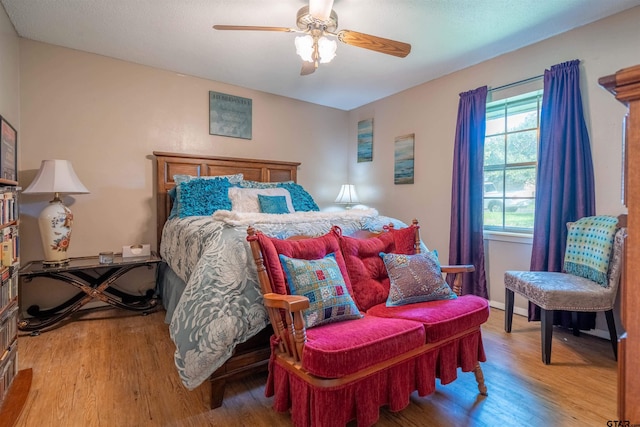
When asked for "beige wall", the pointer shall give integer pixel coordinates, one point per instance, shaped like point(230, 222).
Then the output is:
point(9, 71)
point(108, 116)
point(430, 111)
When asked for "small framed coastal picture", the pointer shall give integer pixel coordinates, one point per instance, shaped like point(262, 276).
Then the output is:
point(403, 159)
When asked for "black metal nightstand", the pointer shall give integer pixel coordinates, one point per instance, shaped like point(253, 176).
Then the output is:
point(94, 279)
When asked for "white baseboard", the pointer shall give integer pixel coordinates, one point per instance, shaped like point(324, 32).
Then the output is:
point(600, 333)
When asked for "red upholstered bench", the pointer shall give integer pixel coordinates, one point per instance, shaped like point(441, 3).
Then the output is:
point(346, 342)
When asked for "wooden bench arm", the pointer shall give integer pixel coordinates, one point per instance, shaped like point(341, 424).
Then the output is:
point(292, 334)
point(466, 268)
point(456, 271)
point(291, 303)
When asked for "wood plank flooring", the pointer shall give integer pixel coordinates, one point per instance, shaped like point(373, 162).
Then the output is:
point(115, 368)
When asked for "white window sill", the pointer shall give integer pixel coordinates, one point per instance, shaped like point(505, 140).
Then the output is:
point(503, 236)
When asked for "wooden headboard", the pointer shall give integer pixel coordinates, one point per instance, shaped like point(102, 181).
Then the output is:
point(170, 164)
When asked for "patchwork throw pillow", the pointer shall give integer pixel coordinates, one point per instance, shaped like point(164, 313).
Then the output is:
point(273, 204)
point(321, 281)
point(415, 278)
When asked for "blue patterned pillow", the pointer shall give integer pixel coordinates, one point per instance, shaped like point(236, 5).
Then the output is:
point(173, 194)
point(273, 204)
point(301, 199)
point(321, 281)
point(202, 197)
point(415, 278)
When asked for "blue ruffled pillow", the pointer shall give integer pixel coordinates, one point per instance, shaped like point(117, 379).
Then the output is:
point(273, 204)
point(300, 198)
point(180, 178)
point(202, 197)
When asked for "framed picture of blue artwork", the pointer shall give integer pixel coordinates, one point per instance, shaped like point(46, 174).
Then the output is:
point(365, 140)
point(403, 159)
point(229, 115)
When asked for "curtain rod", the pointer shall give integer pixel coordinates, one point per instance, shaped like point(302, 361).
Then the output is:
point(530, 79)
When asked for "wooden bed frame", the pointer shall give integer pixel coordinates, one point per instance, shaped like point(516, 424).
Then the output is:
point(253, 355)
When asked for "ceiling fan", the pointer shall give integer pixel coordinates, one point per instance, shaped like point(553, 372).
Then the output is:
point(317, 21)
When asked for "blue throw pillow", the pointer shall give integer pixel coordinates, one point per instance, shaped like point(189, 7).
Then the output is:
point(273, 204)
point(300, 198)
point(202, 197)
point(415, 278)
point(321, 281)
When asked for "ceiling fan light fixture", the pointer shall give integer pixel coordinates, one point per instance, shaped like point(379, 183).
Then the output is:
point(304, 47)
point(326, 49)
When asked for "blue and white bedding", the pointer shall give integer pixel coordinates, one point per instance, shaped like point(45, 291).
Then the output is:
point(222, 304)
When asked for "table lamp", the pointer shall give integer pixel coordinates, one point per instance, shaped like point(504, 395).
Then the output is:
point(55, 220)
point(347, 195)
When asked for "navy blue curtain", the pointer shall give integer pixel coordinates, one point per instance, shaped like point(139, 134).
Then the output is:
point(466, 244)
point(565, 185)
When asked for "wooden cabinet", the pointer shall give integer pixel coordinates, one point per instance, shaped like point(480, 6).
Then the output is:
point(14, 384)
point(625, 85)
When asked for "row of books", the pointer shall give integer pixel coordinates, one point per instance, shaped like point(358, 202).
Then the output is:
point(8, 370)
point(8, 287)
point(8, 205)
point(9, 245)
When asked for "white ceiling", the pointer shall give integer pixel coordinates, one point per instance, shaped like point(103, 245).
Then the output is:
point(177, 35)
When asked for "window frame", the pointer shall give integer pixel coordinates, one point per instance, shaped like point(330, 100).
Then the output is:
point(503, 168)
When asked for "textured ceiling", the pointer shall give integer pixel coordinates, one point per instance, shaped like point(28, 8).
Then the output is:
point(177, 35)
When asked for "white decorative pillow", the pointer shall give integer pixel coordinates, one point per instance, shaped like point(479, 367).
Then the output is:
point(246, 199)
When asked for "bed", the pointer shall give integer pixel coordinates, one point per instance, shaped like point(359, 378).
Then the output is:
point(207, 280)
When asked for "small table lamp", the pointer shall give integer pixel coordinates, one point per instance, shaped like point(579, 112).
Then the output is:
point(55, 220)
point(347, 195)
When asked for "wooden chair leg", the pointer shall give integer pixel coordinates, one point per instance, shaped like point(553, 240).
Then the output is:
point(546, 318)
point(574, 324)
point(508, 305)
point(611, 323)
point(482, 388)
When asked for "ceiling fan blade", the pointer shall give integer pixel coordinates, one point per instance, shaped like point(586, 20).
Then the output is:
point(254, 28)
point(308, 68)
point(378, 44)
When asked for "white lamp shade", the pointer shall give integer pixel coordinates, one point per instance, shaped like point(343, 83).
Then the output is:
point(347, 194)
point(327, 49)
point(56, 176)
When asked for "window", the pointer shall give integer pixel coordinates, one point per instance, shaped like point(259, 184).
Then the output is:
point(510, 161)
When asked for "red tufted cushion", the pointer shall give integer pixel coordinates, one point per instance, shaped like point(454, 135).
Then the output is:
point(339, 349)
point(442, 318)
point(369, 278)
point(308, 249)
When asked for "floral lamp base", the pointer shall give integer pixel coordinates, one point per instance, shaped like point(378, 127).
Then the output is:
point(55, 229)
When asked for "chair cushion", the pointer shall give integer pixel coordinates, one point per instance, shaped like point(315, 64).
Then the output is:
point(560, 291)
point(415, 278)
point(343, 348)
point(368, 275)
point(311, 248)
point(442, 318)
point(322, 283)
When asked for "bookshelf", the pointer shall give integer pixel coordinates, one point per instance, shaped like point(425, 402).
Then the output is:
point(14, 384)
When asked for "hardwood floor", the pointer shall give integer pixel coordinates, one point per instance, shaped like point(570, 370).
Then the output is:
point(115, 368)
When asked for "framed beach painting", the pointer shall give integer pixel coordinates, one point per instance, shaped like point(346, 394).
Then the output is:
point(403, 159)
point(365, 140)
